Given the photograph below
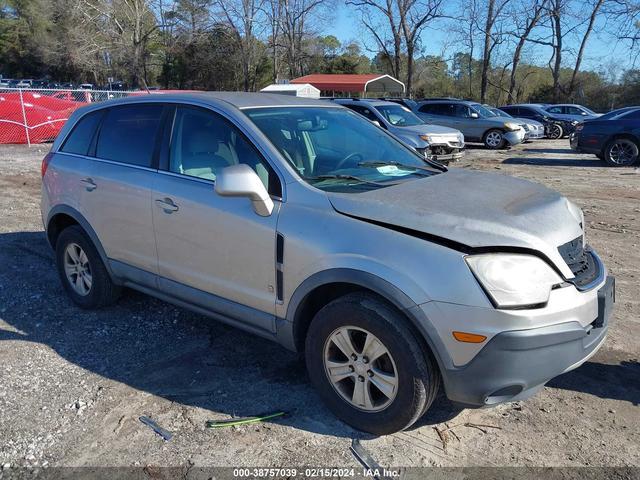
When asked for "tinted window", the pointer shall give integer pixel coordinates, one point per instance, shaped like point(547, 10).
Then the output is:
point(554, 110)
point(128, 134)
point(575, 111)
point(203, 143)
point(363, 111)
point(79, 139)
point(429, 108)
point(633, 115)
point(461, 111)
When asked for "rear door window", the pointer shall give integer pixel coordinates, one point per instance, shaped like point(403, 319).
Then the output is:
point(129, 133)
point(79, 139)
point(555, 110)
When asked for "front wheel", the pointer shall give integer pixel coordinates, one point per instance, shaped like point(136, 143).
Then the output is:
point(621, 152)
point(494, 139)
point(555, 131)
point(368, 366)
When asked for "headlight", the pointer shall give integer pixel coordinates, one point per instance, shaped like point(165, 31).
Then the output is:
point(574, 122)
point(512, 126)
point(513, 280)
point(426, 138)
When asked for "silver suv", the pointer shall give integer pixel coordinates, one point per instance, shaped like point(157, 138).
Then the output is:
point(442, 144)
point(300, 221)
point(477, 123)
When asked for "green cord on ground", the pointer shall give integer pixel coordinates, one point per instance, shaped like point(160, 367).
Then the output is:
point(242, 421)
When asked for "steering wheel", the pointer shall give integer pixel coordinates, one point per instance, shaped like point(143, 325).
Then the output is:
point(351, 156)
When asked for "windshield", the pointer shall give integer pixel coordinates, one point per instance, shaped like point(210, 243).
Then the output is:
point(338, 150)
point(399, 116)
point(482, 111)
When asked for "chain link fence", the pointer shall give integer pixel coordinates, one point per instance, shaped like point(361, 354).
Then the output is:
point(31, 116)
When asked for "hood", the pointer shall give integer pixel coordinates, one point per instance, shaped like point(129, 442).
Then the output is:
point(429, 129)
point(473, 209)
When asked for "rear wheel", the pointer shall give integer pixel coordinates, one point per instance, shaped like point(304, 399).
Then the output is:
point(494, 139)
point(81, 271)
point(555, 131)
point(621, 152)
point(367, 365)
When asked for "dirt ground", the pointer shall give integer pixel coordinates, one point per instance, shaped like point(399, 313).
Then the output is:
point(73, 383)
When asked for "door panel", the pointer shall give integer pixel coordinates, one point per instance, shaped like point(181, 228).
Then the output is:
point(119, 188)
point(120, 212)
point(215, 244)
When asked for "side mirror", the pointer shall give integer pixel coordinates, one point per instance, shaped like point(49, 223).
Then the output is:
point(241, 181)
point(475, 115)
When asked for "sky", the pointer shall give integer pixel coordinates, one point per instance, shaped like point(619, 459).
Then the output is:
point(601, 49)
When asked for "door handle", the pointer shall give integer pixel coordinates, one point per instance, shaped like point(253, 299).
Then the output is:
point(89, 184)
point(167, 205)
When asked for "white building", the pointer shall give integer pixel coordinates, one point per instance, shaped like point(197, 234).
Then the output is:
point(297, 90)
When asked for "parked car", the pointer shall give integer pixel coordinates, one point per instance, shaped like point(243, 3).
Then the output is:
point(303, 223)
point(441, 143)
point(410, 103)
point(555, 127)
point(571, 112)
point(86, 86)
point(473, 120)
point(615, 139)
point(533, 130)
point(616, 112)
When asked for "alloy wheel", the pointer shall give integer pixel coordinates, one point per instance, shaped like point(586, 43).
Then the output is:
point(360, 368)
point(494, 139)
point(555, 131)
point(77, 269)
point(623, 152)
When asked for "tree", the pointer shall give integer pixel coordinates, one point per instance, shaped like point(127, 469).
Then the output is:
point(245, 17)
point(492, 38)
point(525, 18)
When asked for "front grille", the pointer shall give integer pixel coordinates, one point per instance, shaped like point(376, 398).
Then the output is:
point(581, 261)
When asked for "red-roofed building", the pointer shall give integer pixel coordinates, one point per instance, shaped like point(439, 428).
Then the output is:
point(328, 83)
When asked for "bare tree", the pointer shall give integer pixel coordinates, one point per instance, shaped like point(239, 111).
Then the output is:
point(405, 22)
point(389, 38)
point(246, 18)
point(492, 37)
point(525, 18)
point(129, 25)
point(595, 9)
point(415, 16)
point(296, 25)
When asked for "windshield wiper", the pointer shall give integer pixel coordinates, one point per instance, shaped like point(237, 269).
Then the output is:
point(347, 177)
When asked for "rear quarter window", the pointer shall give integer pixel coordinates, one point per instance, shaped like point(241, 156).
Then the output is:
point(128, 134)
point(79, 139)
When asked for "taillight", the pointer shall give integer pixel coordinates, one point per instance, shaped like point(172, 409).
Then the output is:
point(45, 163)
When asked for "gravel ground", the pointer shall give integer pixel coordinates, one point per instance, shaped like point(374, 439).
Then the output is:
point(73, 383)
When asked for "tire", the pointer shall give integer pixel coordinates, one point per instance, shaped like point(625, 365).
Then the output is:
point(75, 252)
point(555, 131)
point(361, 315)
point(621, 152)
point(494, 139)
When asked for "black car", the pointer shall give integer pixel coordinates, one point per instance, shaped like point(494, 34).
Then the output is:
point(555, 127)
point(614, 139)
